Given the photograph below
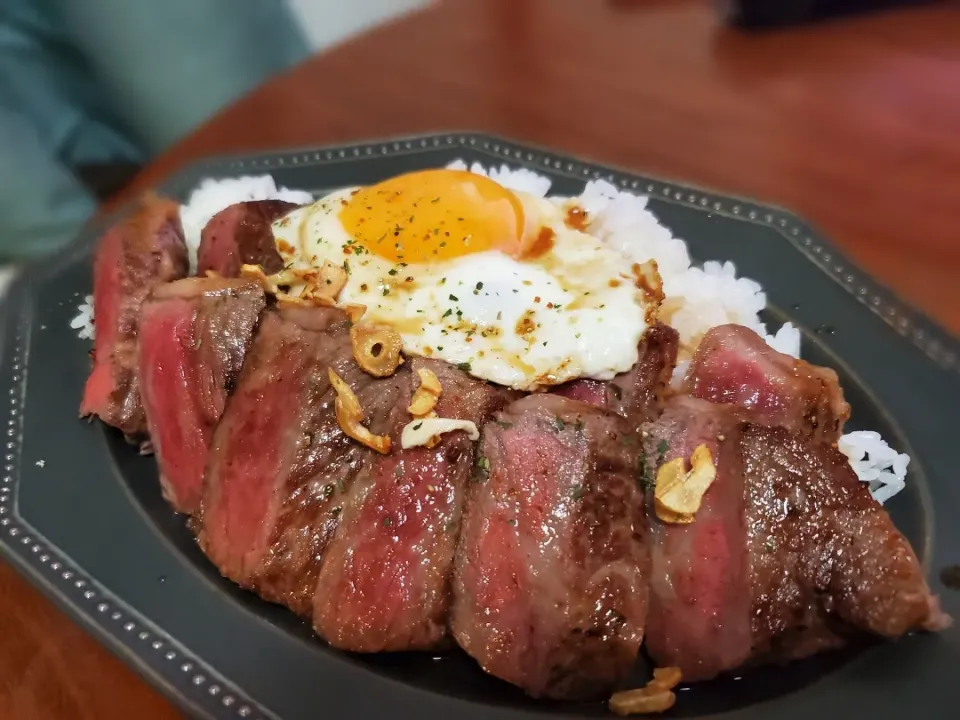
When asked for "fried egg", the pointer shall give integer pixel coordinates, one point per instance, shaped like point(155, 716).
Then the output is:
point(500, 283)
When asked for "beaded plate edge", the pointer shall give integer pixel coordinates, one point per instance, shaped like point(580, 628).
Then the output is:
point(163, 659)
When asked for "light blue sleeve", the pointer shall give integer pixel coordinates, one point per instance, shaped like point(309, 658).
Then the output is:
point(100, 81)
point(41, 203)
point(167, 65)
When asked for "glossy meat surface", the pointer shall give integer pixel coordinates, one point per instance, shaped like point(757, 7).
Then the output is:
point(733, 365)
point(550, 581)
point(135, 255)
point(193, 337)
point(241, 235)
point(385, 582)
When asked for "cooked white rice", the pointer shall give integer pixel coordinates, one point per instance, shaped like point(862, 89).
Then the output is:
point(83, 322)
point(697, 297)
point(875, 462)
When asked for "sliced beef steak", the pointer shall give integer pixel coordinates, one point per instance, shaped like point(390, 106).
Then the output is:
point(550, 586)
point(734, 365)
point(135, 255)
point(821, 550)
point(193, 337)
point(279, 465)
point(638, 393)
point(385, 579)
point(788, 555)
point(241, 235)
point(699, 581)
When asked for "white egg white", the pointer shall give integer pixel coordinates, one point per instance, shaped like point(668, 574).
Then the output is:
point(572, 312)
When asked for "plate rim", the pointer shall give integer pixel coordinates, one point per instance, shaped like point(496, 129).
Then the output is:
point(933, 342)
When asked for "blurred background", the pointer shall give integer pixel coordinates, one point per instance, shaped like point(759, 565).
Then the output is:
point(91, 90)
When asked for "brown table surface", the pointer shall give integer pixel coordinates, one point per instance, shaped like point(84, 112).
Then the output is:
point(853, 124)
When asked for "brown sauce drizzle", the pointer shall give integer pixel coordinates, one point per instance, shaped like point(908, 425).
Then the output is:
point(576, 218)
point(542, 244)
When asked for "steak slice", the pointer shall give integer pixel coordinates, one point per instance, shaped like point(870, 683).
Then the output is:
point(550, 586)
point(384, 584)
point(279, 464)
point(193, 336)
point(699, 581)
point(638, 393)
point(788, 555)
point(241, 234)
point(138, 253)
point(734, 365)
point(825, 558)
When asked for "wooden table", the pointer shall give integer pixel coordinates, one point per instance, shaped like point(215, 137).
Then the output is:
point(854, 124)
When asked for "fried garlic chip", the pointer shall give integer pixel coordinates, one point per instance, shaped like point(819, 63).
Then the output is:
point(427, 431)
point(308, 286)
point(678, 493)
point(350, 416)
point(376, 348)
point(656, 697)
point(425, 398)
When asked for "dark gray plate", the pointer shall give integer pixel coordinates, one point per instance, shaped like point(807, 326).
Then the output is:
point(82, 517)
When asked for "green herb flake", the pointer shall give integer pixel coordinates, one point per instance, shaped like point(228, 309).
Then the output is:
point(481, 467)
point(465, 366)
point(578, 492)
point(646, 482)
point(387, 521)
point(454, 298)
point(418, 426)
point(448, 313)
point(392, 271)
point(505, 425)
point(558, 424)
point(662, 447)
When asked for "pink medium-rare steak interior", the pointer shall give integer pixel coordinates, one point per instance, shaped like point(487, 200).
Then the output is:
point(262, 451)
point(136, 254)
point(788, 555)
point(550, 581)
point(385, 578)
point(314, 480)
point(269, 511)
point(241, 234)
point(193, 338)
point(699, 583)
point(734, 365)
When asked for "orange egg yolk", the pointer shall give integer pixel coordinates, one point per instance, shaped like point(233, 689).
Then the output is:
point(433, 215)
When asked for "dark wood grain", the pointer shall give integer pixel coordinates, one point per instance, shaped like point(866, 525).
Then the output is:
point(854, 124)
